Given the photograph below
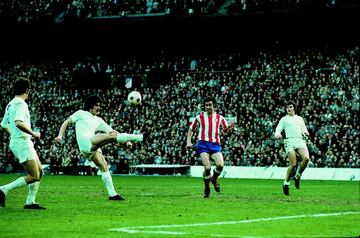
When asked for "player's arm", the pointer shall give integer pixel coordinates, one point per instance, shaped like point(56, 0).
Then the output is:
point(6, 129)
point(25, 128)
point(279, 129)
point(229, 128)
point(306, 133)
point(191, 130)
point(189, 136)
point(304, 130)
point(5, 124)
point(63, 128)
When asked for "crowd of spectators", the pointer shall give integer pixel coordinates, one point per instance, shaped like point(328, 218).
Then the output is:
point(261, 6)
point(252, 91)
point(58, 11)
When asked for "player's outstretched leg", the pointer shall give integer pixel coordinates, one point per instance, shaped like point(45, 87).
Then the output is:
point(5, 189)
point(125, 137)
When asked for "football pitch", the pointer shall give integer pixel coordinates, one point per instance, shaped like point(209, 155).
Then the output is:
point(166, 206)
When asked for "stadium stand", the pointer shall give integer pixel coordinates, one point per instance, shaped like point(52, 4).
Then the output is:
point(323, 83)
point(251, 82)
point(58, 11)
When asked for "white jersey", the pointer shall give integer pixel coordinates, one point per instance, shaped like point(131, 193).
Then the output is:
point(87, 125)
point(294, 126)
point(16, 110)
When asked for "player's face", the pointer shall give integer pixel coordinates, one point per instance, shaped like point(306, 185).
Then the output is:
point(209, 107)
point(27, 94)
point(290, 109)
point(96, 109)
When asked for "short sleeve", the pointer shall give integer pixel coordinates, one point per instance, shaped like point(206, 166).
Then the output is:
point(103, 126)
point(21, 111)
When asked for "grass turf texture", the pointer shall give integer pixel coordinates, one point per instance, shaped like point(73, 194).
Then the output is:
point(78, 206)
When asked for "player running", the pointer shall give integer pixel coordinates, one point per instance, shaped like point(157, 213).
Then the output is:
point(208, 145)
point(295, 130)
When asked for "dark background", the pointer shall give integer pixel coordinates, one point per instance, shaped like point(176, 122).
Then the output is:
point(179, 35)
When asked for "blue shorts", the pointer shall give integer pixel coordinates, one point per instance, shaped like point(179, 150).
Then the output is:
point(207, 147)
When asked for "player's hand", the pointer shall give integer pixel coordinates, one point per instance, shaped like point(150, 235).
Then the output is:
point(36, 135)
point(278, 136)
point(129, 144)
point(58, 139)
point(189, 145)
point(230, 127)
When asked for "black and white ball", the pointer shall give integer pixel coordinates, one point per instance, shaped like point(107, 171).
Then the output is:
point(134, 98)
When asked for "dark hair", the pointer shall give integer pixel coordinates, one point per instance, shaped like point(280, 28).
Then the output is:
point(21, 85)
point(91, 101)
point(210, 99)
point(288, 103)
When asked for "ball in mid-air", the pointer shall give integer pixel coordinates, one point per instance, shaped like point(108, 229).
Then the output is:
point(134, 98)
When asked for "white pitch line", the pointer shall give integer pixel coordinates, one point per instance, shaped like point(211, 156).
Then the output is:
point(138, 229)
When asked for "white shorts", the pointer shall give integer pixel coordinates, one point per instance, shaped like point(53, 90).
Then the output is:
point(85, 148)
point(23, 149)
point(294, 144)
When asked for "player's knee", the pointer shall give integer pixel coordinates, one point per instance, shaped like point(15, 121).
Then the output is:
point(33, 179)
point(220, 168)
point(104, 167)
point(306, 160)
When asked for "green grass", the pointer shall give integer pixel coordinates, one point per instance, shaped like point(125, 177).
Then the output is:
point(77, 206)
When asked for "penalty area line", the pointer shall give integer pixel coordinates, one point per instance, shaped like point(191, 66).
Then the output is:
point(140, 229)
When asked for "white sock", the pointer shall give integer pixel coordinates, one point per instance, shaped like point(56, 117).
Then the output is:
point(106, 178)
point(14, 184)
point(124, 137)
point(286, 183)
point(207, 177)
point(33, 189)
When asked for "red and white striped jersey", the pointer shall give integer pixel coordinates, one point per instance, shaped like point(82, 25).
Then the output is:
point(209, 126)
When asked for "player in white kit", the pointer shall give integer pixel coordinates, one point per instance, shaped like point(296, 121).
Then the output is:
point(16, 122)
point(87, 124)
point(295, 130)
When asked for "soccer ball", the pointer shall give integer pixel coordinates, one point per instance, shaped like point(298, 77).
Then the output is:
point(134, 98)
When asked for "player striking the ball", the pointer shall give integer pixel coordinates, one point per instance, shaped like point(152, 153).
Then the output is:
point(87, 123)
